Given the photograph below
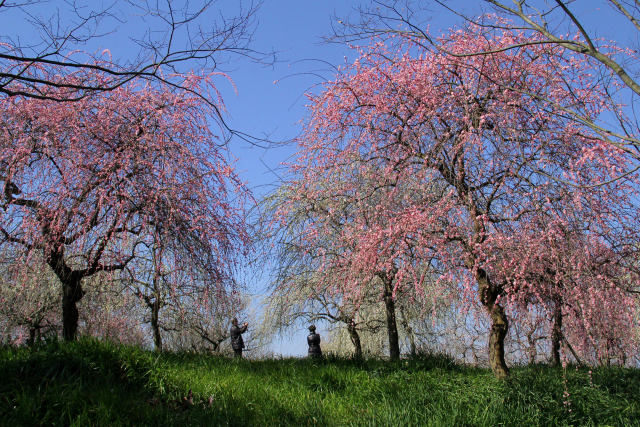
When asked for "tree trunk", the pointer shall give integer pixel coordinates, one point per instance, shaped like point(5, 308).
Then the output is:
point(499, 329)
point(355, 339)
point(155, 324)
point(32, 336)
point(392, 327)
point(499, 323)
point(556, 333)
point(533, 352)
point(409, 330)
point(71, 293)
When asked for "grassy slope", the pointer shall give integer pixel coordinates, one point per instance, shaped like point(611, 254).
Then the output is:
point(94, 383)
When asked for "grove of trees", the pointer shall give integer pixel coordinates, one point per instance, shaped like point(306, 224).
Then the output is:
point(473, 171)
point(474, 193)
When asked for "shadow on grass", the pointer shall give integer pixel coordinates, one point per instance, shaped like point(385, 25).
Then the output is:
point(93, 383)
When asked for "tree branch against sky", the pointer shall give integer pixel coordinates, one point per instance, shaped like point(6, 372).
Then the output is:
point(164, 39)
point(65, 45)
point(612, 55)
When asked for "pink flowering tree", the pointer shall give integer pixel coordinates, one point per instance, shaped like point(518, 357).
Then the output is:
point(322, 223)
point(469, 127)
point(29, 301)
point(583, 282)
point(89, 185)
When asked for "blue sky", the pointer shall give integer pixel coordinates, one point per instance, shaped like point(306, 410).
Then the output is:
point(270, 99)
point(270, 102)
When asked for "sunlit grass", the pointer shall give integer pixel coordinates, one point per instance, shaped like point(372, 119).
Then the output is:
point(96, 383)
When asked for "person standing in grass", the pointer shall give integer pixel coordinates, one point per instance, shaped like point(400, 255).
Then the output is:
point(236, 336)
point(314, 343)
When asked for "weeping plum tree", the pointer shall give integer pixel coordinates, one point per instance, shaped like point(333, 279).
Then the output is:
point(300, 288)
point(580, 280)
point(324, 220)
point(471, 126)
point(87, 184)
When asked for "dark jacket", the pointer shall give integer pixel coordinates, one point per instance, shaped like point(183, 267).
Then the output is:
point(236, 337)
point(314, 345)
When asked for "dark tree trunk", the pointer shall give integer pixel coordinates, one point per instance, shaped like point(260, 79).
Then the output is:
point(32, 336)
point(392, 327)
point(499, 323)
point(556, 333)
point(499, 329)
point(355, 339)
point(71, 293)
point(533, 352)
point(155, 324)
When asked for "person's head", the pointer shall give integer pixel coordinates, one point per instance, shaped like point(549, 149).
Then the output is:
point(312, 328)
point(234, 321)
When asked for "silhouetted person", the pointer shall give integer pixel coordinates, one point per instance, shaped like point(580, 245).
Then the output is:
point(314, 343)
point(237, 344)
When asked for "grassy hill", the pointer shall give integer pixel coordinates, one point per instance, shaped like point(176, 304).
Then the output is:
point(97, 383)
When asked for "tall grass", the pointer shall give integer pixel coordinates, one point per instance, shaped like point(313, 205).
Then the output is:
point(97, 383)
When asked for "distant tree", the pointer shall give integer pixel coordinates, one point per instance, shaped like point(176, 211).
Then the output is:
point(108, 312)
point(153, 287)
point(88, 184)
point(300, 291)
point(303, 299)
point(322, 221)
point(160, 279)
point(29, 301)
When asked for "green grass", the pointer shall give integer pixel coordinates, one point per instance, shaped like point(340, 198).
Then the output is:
point(97, 383)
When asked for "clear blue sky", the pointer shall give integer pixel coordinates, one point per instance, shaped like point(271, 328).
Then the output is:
point(270, 99)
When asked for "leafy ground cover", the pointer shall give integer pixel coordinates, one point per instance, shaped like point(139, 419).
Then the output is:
point(97, 383)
